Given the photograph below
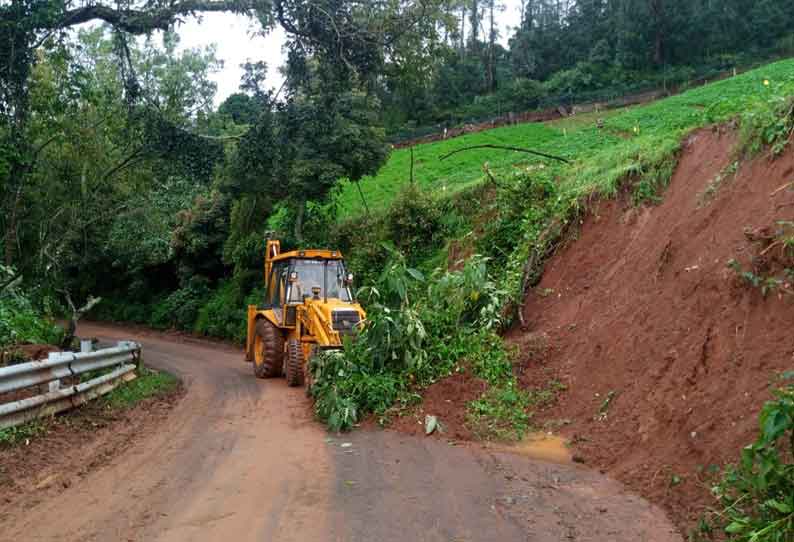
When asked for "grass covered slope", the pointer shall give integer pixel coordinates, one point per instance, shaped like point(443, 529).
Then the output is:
point(632, 141)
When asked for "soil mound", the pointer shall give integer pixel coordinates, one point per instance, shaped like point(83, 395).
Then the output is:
point(667, 354)
point(447, 399)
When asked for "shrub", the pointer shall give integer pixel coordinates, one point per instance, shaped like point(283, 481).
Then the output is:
point(580, 78)
point(224, 314)
point(20, 321)
point(413, 222)
point(180, 308)
point(347, 386)
point(524, 94)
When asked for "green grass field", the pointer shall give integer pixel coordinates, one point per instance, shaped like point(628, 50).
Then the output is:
point(633, 140)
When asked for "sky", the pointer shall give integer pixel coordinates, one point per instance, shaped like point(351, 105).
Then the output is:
point(236, 42)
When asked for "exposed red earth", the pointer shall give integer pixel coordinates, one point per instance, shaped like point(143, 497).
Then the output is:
point(667, 355)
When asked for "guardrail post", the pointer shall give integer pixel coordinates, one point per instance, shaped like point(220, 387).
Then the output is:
point(54, 385)
point(86, 346)
point(136, 354)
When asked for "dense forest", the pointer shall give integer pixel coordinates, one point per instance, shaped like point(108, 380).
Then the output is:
point(568, 51)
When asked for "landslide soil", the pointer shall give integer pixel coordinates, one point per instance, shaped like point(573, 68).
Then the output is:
point(642, 307)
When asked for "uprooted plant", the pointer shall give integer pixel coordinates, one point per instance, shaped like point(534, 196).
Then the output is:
point(418, 330)
point(772, 267)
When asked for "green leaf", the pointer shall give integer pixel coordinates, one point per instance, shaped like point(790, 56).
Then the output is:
point(788, 375)
point(781, 507)
point(774, 425)
point(416, 274)
point(735, 527)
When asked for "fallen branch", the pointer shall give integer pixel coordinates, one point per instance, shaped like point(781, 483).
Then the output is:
point(770, 247)
point(506, 148)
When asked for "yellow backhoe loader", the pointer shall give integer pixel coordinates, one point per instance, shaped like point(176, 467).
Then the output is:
point(308, 306)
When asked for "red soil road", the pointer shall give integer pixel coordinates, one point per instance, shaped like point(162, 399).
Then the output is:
point(242, 459)
point(642, 304)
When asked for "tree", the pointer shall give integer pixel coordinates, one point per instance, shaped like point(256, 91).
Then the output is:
point(352, 35)
point(299, 149)
point(28, 25)
point(241, 108)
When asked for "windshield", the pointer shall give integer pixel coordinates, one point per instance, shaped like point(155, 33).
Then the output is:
point(320, 274)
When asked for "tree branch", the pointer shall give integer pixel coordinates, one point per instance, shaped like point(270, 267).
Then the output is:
point(124, 163)
point(506, 148)
point(137, 21)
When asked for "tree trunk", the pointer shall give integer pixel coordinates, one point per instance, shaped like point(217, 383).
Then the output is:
point(10, 239)
point(657, 9)
point(300, 211)
point(491, 76)
point(474, 22)
point(463, 30)
point(10, 236)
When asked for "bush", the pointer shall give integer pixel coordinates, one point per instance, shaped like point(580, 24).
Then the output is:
point(345, 390)
point(224, 314)
point(523, 94)
point(526, 203)
point(20, 321)
point(413, 222)
point(180, 309)
point(581, 78)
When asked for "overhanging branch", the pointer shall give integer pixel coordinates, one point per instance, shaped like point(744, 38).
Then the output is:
point(139, 21)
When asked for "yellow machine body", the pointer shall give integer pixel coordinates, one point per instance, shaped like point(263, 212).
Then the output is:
point(309, 303)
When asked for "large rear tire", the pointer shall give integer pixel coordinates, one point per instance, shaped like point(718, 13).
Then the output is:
point(268, 350)
point(294, 368)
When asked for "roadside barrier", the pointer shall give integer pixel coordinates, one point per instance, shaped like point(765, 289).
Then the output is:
point(62, 373)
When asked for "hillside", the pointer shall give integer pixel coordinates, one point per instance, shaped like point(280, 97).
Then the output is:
point(628, 137)
point(658, 313)
point(643, 308)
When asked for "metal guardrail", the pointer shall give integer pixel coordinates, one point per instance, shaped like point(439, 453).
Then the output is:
point(122, 359)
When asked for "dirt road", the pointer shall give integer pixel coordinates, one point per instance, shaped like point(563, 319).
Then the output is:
point(242, 459)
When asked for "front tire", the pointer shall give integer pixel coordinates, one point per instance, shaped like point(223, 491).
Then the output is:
point(268, 350)
point(294, 369)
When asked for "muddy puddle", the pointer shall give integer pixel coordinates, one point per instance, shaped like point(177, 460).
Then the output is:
point(541, 446)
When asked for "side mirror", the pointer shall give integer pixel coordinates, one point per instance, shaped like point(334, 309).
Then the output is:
point(349, 279)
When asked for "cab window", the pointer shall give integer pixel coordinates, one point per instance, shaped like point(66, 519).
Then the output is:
point(276, 288)
point(319, 274)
